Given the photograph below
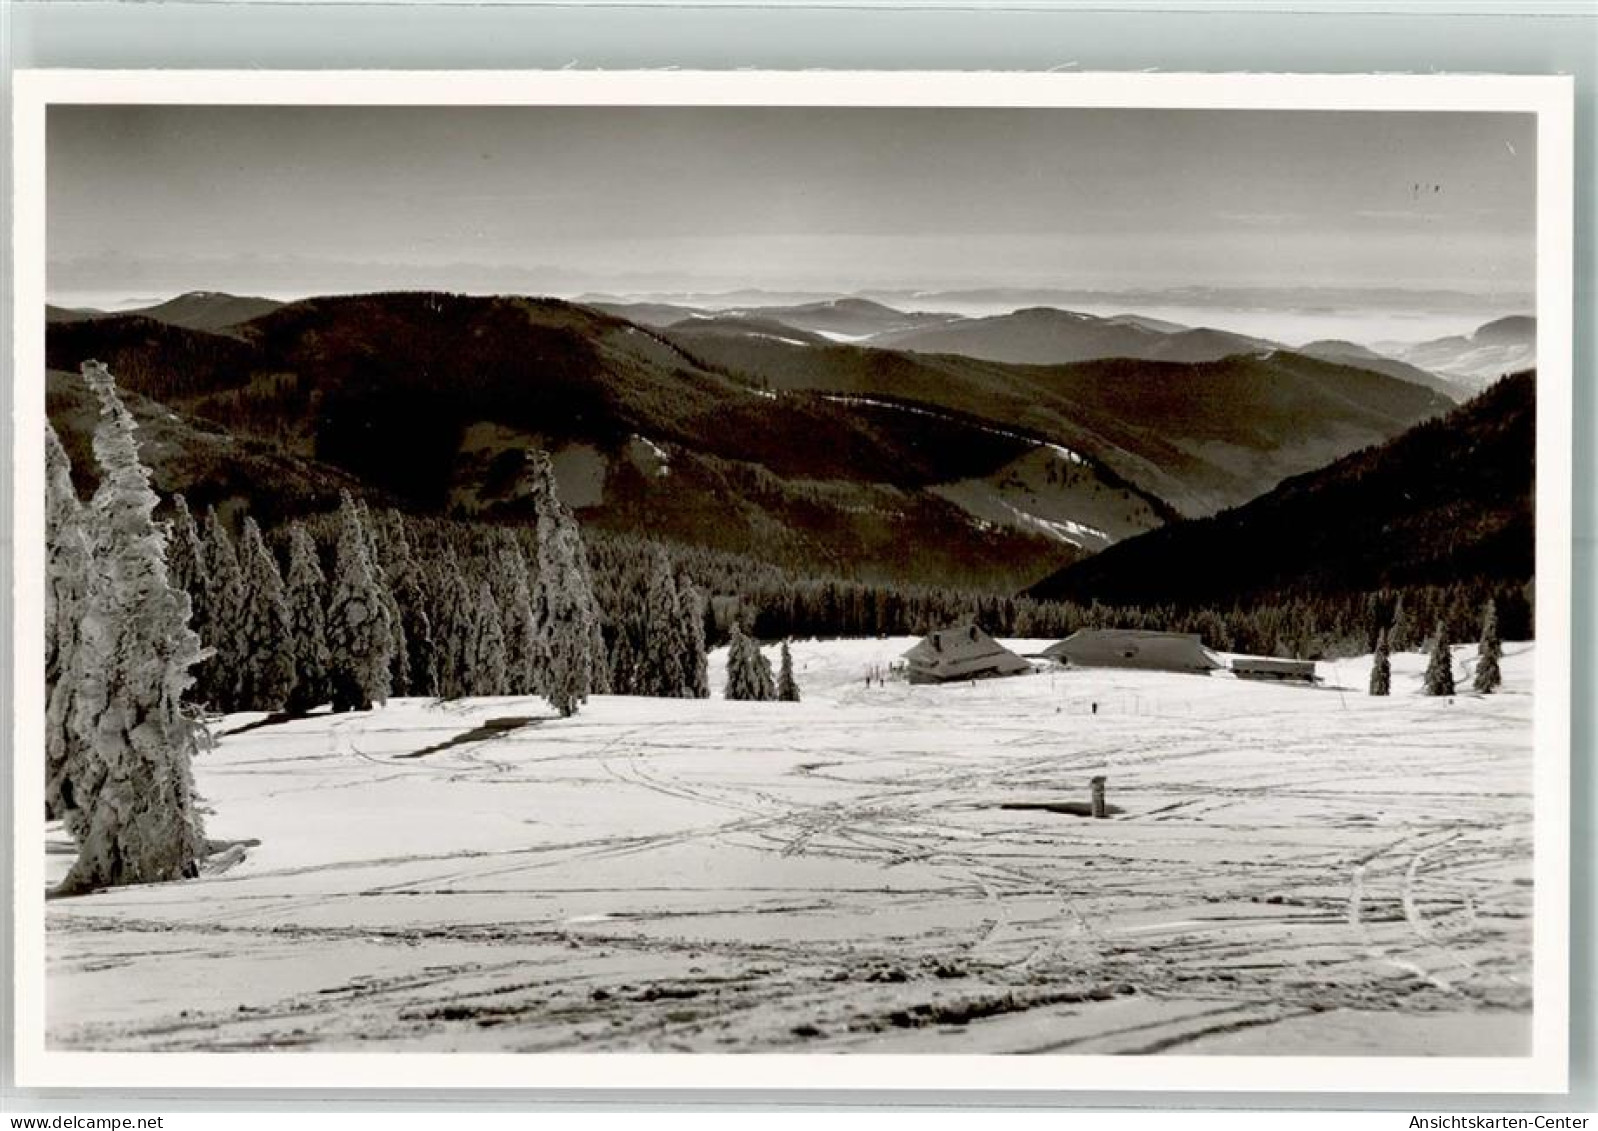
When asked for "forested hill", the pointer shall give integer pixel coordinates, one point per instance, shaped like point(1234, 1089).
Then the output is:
point(209, 311)
point(1449, 501)
point(1201, 436)
point(433, 401)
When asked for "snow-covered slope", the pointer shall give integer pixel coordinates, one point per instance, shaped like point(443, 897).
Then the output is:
point(880, 867)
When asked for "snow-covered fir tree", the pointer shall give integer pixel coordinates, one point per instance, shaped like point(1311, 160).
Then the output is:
point(666, 647)
point(218, 676)
point(306, 595)
point(598, 654)
point(66, 579)
point(659, 646)
point(266, 668)
point(1489, 677)
point(748, 670)
point(629, 646)
point(787, 689)
point(131, 807)
point(693, 613)
point(486, 667)
point(1381, 667)
point(513, 592)
point(1440, 666)
point(1400, 634)
point(570, 640)
point(410, 596)
point(185, 562)
point(360, 639)
point(599, 669)
point(453, 626)
point(399, 657)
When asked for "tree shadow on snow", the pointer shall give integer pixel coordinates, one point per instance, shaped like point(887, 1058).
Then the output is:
point(1069, 808)
point(276, 718)
point(488, 728)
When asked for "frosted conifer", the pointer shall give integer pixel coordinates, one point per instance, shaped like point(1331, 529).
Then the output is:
point(185, 562)
point(787, 689)
point(598, 663)
point(399, 659)
point(131, 804)
point(629, 652)
point(693, 612)
point(1489, 651)
point(360, 639)
point(666, 646)
point(66, 581)
point(486, 669)
point(515, 597)
point(266, 663)
point(1398, 636)
point(219, 676)
point(599, 669)
point(405, 583)
point(454, 628)
point(1381, 667)
point(748, 671)
point(567, 613)
point(1440, 667)
point(306, 588)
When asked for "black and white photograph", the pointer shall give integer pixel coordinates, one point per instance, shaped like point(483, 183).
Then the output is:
point(894, 569)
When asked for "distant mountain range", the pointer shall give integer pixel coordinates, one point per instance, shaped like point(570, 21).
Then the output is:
point(211, 311)
point(748, 325)
point(1034, 336)
point(1449, 500)
point(1478, 359)
point(786, 431)
point(842, 319)
point(1351, 353)
point(1200, 436)
point(998, 299)
point(1456, 367)
point(1046, 336)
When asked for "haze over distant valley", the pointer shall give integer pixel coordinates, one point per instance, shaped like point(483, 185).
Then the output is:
point(1291, 226)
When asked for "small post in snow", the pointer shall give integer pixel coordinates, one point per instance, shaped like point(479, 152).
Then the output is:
point(1100, 809)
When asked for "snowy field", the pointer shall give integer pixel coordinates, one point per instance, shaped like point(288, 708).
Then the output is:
point(877, 869)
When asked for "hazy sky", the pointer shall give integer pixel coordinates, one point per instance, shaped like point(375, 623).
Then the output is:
point(148, 201)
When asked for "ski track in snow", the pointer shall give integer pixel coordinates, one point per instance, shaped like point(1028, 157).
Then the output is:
point(1296, 870)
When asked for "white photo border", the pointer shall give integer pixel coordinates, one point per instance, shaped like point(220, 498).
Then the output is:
point(1544, 1070)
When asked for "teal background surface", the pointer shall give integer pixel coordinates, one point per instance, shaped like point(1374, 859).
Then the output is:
point(1334, 38)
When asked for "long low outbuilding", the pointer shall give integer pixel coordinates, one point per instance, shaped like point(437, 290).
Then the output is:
point(1135, 648)
point(1269, 667)
point(962, 653)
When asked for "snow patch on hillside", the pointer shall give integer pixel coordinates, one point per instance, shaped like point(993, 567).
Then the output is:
point(1067, 454)
point(1076, 534)
point(1059, 449)
point(649, 456)
point(779, 338)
